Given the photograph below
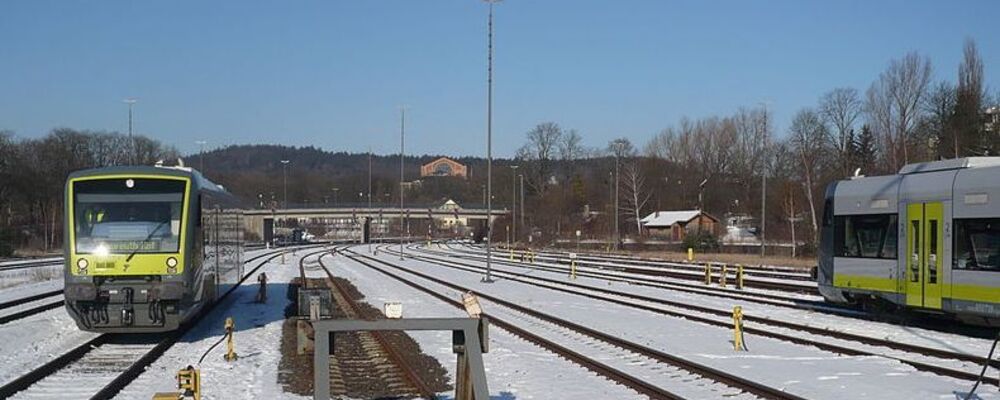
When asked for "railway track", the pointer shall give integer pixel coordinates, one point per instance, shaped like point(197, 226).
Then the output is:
point(30, 305)
point(761, 326)
point(26, 264)
point(753, 278)
point(104, 365)
point(373, 351)
point(681, 372)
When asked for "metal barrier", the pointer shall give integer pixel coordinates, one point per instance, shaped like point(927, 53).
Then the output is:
point(469, 342)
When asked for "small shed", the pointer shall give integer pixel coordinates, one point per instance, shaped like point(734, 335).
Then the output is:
point(675, 225)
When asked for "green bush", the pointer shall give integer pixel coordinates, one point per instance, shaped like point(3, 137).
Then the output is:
point(701, 241)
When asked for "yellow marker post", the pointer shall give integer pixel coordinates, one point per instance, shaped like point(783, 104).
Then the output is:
point(230, 346)
point(189, 380)
point(512, 254)
point(738, 329)
point(282, 257)
point(722, 276)
point(572, 269)
point(690, 254)
point(708, 273)
point(739, 276)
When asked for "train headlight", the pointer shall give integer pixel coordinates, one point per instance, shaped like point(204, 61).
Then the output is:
point(81, 265)
point(172, 265)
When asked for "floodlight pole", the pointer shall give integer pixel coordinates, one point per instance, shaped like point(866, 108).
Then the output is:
point(489, 148)
point(131, 142)
point(402, 133)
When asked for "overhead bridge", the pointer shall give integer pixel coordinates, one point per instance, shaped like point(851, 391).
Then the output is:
point(261, 220)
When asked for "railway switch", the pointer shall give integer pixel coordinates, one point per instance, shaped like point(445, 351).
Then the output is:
point(230, 345)
point(188, 381)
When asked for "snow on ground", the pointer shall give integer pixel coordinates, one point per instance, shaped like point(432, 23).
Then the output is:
point(803, 370)
point(902, 334)
point(516, 369)
point(30, 342)
point(15, 279)
point(257, 338)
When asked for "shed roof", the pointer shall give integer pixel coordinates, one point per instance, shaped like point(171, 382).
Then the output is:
point(663, 219)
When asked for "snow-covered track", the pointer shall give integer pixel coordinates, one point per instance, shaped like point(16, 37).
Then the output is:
point(761, 326)
point(103, 366)
point(401, 377)
point(25, 264)
point(754, 277)
point(641, 385)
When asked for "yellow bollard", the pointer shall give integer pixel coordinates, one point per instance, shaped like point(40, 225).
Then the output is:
point(690, 254)
point(512, 254)
point(739, 276)
point(282, 257)
point(708, 273)
point(189, 380)
point(722, 276)
point(738, 344)
point(572, 269)
point(230, 346)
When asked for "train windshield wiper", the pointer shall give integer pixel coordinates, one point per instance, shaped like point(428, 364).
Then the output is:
point(144, 241)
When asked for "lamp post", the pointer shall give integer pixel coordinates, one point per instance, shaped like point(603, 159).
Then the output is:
point(513, 202)
point(131, 142)
point(284, 174)
point(335, 191)
point(402, 133)
point(369, 199)
point(523, 226)
point(489, 148)
point(201, 156)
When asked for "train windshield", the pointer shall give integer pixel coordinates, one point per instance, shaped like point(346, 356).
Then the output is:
point(122, 216)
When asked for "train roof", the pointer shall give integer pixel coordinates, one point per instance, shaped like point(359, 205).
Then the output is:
point(200, 180)
point(944, 165)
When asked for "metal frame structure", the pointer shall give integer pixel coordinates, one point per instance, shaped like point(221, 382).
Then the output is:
point(465, 341)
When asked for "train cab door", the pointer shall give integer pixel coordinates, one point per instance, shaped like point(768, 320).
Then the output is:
point(924, 254)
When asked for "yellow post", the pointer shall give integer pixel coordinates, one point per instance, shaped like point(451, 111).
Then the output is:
point(708, 273)
point(739, 276)
point(282, 257)
point(690, 254)
point(189, 380)
point(512, 254)
point(722, 276)
point(230, 346)
point(738, 328)
point(572, 269)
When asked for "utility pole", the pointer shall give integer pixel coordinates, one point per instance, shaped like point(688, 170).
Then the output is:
point(489, 148)
point(763, 192)
point(513, 202)
point(523, 226)
point(617, 209)
point(131, 141)
point(402, 152)
point(201, 156)
point(284, 173)
point(370, 200)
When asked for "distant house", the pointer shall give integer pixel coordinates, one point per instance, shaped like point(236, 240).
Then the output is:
point(675, 225)
point(444, 166)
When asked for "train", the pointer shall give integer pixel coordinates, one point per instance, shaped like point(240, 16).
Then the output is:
point(926, 239)
point(147, 247)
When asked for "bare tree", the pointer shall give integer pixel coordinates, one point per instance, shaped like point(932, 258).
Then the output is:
point(967, 121)
point(538, 154)
point(939, 110)
point(636, 195)
point(810, 141)
point(840, 109)
point(571, 146)
point(894, 102)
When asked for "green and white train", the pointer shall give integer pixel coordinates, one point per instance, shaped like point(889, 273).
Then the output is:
point(927, 239)
point(147, 247)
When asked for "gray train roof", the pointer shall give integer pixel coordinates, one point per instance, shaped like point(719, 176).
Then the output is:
point(973, 184)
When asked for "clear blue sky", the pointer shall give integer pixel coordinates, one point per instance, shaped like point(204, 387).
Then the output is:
point(332, 73)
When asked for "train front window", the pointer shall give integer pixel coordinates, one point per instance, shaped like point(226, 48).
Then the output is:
point(977, 244)
point(122, 216)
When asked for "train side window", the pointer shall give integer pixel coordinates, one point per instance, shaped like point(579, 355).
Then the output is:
point(865, 236)
point(977, 244)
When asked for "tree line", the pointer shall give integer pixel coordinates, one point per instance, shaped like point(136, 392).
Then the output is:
point(736, 164)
